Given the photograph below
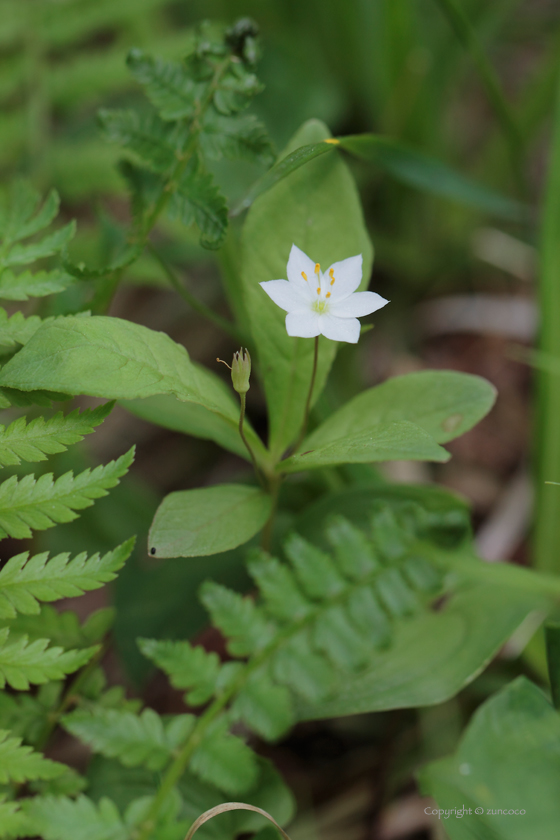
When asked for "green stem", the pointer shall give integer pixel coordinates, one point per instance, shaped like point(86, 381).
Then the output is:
point(193, 302)
point(266, 539)
point(309, 397)
point(242, 400)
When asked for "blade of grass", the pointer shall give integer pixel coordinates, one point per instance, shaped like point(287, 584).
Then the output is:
point(467, 36)
point(547, 524)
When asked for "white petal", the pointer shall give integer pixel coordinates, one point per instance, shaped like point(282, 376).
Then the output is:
point(303, 324)
point(347, 276)
point(298, 262)
point(285, 295)
point(340, 329)
point(358, 305)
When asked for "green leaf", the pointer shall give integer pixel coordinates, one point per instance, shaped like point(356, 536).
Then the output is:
point(25, 581)
point(507, 760)
point(53, 243)
point(61, 818)
point(41, 503)
point(13, 822)
point(22, 663)
point(237, 617)
point(192, 523)
point(17, 329)
point(444, 404)
point(425, 173)
point(433, 655)
point(27, 285)
point(186, 666)
point(20, 764)
point(168, 85)
point(265, 707)
point(134, 739)
point(319, 210)
point(109, 357)
point(225, 760)
point(198, 199)
point(236, 88)
point(242, 137)
point(146, 135)
point(63, 628)
point(19, 213)
point(41, 437)
point(192, 419)
point(382, 442)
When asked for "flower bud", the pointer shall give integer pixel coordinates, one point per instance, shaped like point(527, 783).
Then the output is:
point(241, 371)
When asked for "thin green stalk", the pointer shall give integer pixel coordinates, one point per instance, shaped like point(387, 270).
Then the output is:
point(466, 34)
point(242, 400)
point(546, 543)
point(193, 302)
point(274, 488)
point(309, 396)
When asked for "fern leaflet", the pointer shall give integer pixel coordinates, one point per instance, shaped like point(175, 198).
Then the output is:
point(18, 763)
point(40, 503)
point(35, 440)
point(23, 662)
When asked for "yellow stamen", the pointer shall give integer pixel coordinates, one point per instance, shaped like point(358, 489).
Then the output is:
point(332, 140)
point(317, 268)
point(304, 275)
point(328, 294)
point(331, 275)
point(318, 290)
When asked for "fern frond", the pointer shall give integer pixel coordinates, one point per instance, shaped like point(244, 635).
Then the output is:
point(19, 763)
point(24, 582)
point(13, 822)
point(168, 85)
point(186, 666)
point(17, 330)
point(23, 662)
point(63, 628)
point(41, 437)
point(134, 739)
point(40, 503)
point(149, 137)
point(51, 244)
point(27, 285)
point(61, 818)
point(24, 714)
point(20, 216)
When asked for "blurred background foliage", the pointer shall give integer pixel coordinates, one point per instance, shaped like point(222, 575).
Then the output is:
point(468, 82)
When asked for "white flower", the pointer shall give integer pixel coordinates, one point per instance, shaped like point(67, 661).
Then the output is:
point(320, 303)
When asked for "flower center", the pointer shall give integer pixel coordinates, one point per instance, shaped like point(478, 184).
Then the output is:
point(320, 306)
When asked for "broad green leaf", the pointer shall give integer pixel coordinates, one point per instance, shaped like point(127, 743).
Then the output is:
point(192, 419)
point(319, 210)
point(433, 655)
point(508, 760)
point(27, 285)
point(381, 442)
point(102, 356)
point(23, 662)
point(18, 763)
point(192, 523)
point(428, 174)
point(444, 404)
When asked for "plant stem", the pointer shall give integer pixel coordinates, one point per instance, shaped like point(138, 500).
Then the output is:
point(309, 396)
point(266, 539)
point(242, 400)
point(193, 302)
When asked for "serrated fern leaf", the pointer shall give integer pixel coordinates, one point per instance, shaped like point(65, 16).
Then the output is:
point(225, 760)
point(19, 213)
point(19, 763)
point(34, 441)
point(17, 330)
point(23, 662)
point(63, 628)
point(186, 666)
point(61, 818)
point(241, 137)
point(147, 136)
point(51, 244)
point(30, 503)
point(134, 739)
point(13, 822)
point(27, 285)
point(168, 85)
point(198, 199)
